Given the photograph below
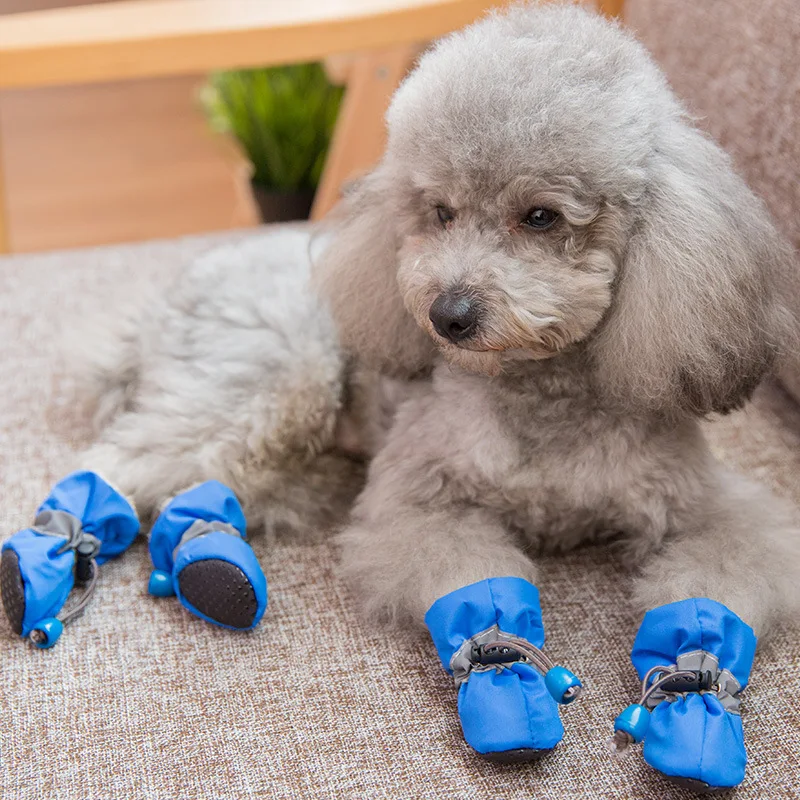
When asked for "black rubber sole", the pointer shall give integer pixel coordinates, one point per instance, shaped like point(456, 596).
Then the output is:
point(523, 755)
point(221, 591)
point(694, 785)
point(12, 590)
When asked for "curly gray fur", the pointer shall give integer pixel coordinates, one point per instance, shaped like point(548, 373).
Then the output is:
point(571, 413)
point(235, 374)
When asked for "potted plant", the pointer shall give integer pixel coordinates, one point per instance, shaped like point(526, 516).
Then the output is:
point(283, 118)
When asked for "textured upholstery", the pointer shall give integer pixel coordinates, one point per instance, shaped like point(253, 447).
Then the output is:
point(141, 700)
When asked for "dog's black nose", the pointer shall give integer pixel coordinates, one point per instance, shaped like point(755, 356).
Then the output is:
point(454, 316)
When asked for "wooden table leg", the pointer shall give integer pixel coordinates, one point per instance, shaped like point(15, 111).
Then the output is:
point(360, 135)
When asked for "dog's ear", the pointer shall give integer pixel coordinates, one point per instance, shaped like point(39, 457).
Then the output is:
point(697, 318)
point(357, 275)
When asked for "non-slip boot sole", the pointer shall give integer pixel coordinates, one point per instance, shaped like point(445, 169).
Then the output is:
point(696, 786)
point(12, 589)
point(220, 591)
point(522, 755)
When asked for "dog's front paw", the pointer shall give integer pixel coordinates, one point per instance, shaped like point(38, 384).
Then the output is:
point(694, 659)
point(199, 552)
point(695, 742)
point(508, 715)
point(489, 635)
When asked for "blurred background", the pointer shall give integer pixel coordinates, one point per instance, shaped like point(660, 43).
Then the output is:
point(101, 162)
point(114, 126)
point(119, 121)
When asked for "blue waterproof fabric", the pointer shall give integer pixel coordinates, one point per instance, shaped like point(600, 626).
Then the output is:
point(102, 510)
point(695, 737)
point(211, 502)
point(47, 575)
point(507, 710)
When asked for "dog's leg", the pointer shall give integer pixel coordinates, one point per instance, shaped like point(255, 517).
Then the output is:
point(731, 569)
point(144, 468)
point(740, 548)
point(402, 559)
point(197, 542)
point(455, 568)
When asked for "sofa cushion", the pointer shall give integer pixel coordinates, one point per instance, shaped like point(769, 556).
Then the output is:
point(735, 64)
point(139, 699)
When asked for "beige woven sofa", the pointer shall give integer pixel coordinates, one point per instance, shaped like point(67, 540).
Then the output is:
point(140, 700)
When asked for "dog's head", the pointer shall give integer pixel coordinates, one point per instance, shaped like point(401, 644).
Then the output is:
point(542, 191)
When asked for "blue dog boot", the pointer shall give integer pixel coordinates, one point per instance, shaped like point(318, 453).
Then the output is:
point(694, 659)
point(82, 523)
point(488, 636)
point(199, 552)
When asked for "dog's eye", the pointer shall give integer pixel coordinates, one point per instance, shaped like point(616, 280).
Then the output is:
point(540, 218)
point(445, 215)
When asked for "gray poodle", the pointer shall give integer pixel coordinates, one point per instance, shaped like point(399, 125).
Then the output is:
point(584, 277)
point(557, 276)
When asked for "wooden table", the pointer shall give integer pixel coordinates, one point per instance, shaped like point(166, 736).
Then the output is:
point(152, 38)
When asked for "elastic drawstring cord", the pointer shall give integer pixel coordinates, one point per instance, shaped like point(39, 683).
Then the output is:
point(621, 740)
point(512, 650)
point(84, 564)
